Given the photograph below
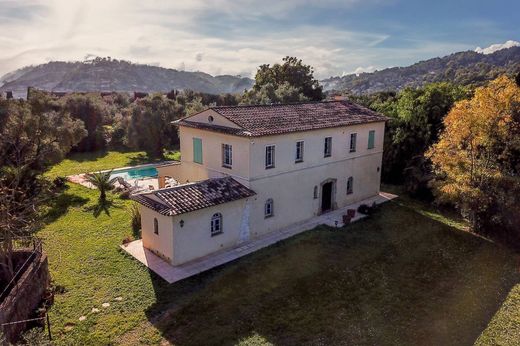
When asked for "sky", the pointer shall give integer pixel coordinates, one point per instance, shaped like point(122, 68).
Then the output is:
point(236, 36)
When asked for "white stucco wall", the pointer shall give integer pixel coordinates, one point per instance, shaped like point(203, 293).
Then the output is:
point(162, 243)
point(212, 155)
point(289, 184)
point(194, 239)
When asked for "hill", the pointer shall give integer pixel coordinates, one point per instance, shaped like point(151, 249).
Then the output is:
point(105, 74)
point(467, 68)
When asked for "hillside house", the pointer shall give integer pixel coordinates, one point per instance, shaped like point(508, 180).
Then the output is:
point(246, 171)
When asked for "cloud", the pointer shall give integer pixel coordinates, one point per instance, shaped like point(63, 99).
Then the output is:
point(214, 36)
point(498, 46)
point(360, 70)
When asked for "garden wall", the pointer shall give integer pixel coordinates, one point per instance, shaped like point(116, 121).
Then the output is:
point(25, 297)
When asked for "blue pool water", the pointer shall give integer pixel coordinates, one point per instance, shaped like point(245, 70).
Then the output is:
point(135, 173)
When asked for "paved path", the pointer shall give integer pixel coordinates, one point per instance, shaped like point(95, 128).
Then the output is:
point(175, 273)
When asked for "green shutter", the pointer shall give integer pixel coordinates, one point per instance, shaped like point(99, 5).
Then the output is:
point(371, 138)
point(197, 150)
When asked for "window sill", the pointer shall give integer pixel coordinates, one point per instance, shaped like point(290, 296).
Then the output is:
point(298, 161)
point(352, 151)
point(325, 156)
point(217, 233)
point(270, 167)
point(268, 216)
point(227, 166)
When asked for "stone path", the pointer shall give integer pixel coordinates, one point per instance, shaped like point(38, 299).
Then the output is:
point(175, 273)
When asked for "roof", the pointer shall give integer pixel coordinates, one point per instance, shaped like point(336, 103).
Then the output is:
point(194, 196)
point(264, 120)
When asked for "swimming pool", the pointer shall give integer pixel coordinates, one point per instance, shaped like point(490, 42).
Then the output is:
point(135, 173)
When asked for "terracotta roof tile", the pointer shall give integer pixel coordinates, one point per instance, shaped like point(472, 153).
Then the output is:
point(194, 196)
point(264, 120)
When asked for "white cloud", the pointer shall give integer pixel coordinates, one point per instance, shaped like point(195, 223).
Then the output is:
point(218, 36)
point(498, 46)
point(360, 70)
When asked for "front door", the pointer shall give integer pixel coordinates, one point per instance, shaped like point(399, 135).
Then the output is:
point(326, 197)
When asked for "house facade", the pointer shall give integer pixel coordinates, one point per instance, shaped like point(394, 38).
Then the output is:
point(275, 165)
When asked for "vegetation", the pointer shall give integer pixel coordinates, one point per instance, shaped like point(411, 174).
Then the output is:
point(102, 181)
point(416, 121)
point(291, 81)
point(407, 261)
point(150, 126)
point(30, 141)
point(477, 159)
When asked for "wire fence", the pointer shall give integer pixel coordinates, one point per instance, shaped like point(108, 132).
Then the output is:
point(26, 243)
point(45, 318)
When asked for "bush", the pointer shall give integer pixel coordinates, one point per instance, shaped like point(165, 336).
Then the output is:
point(136, 219)
point(59, 182)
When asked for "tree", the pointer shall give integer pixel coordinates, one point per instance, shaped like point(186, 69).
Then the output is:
point(31, 142)
point(150, 126)
point(103, 182)
point(477, 159)
point(92, 110)
point(288, 82)
point(18, 218)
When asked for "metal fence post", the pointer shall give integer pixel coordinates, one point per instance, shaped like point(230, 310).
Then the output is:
point(49, 327)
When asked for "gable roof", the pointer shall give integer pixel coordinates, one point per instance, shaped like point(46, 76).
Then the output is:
point(264, 120)
point(194, 196)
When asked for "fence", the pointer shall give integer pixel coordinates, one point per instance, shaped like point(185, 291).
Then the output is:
point(23, 243)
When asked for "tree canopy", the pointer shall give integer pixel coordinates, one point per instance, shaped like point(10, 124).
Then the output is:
point(477, 159)
point(290, 81)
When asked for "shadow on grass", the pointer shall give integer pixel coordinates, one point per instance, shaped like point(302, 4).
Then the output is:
point(399, 277)
point(59, 205)
point(102, 206)
point(87, 156)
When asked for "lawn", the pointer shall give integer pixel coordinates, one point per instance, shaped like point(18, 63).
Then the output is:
point(407, 275)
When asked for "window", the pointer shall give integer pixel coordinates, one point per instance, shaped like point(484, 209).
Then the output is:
point(327, 149)
point(210, 118)
point(227, 155)
point(371, 139)
point(299, 152)
point(350, 185)
point(268, 208)
point(353, 137)
point(315, 194)
point(155, 226)
point(269, 156)
point(216, 224)
point(197, 150)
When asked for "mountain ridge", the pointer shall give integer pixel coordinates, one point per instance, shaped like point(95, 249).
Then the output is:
point(105, 74)
point(466, 68)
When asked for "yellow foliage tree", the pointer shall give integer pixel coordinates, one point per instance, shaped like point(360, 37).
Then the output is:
point(477, 158)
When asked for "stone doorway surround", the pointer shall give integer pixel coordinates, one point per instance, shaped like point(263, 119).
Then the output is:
point(333, 204)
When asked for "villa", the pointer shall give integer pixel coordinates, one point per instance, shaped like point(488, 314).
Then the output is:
point(247, 171)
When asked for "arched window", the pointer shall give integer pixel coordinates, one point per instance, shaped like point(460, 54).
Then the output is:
point(268, 208)
point(350, 185)
point(155, 226)
point(315, 195)
point(216, 224)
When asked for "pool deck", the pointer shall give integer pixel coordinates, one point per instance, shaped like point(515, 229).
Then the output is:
point(140, 184)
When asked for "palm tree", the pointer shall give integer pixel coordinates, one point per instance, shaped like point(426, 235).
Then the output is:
point(102, 181)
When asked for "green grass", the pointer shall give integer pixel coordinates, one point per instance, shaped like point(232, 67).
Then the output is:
point(408, 275)
point(90, 162)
